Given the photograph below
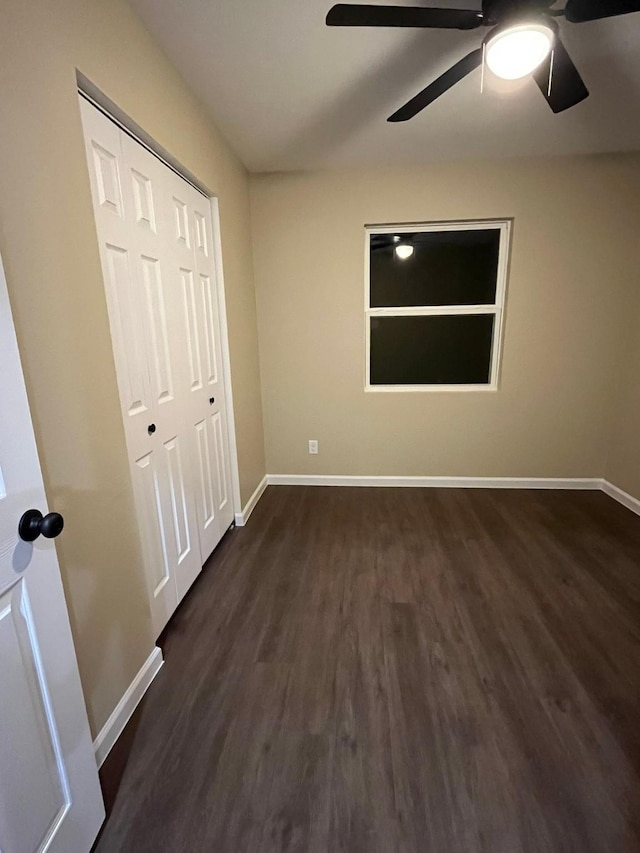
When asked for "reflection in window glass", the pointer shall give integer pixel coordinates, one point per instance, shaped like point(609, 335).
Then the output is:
point(445, 268)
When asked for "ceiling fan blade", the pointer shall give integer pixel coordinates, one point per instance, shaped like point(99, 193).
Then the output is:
point(578, 11)
point(349, 15)
point(439, 87)
point(567, 86)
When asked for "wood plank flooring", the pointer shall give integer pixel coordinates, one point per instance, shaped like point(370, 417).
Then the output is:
point(413, 670)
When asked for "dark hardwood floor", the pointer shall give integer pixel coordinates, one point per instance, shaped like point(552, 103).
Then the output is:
point(411, 670)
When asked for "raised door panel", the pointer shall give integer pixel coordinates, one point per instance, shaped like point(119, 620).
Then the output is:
point(107, 176)
point(180, 207)
point(152, 280)
point(173, 555)
point(222, 465)
point(152, 509)
point(210, 331)
point(180, 247)
point(35, 787)
point(127, 332)
point(215, 511)
point(207, 474)
point(191, 329)
point(201, 235)
point(186, 557)
point(143, 201)
point(200, 340)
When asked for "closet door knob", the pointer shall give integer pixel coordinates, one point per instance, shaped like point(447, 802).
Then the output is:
point(151, 429)
point(212, 400)
point(33, 524)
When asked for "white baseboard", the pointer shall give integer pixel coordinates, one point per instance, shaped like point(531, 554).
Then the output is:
point(591, 483)
point(622, 497)
point(243, 517)
point(436, 482)
point(121, 714)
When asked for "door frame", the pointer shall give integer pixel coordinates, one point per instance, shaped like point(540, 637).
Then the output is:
point(91, 92)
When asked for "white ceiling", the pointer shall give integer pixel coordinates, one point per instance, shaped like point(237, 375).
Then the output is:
point(290, 93)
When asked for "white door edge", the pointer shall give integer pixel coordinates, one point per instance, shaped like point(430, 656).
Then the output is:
point(226, 355)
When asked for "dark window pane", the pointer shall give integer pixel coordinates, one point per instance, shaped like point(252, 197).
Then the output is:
point(446, 349)
point(446, 268)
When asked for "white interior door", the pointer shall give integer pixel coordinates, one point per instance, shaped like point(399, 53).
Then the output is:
point(49, 792)
point(155, 236)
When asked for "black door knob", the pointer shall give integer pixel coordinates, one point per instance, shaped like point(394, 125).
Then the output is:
point(33, 523)
point(151, 429)
point(212, 400)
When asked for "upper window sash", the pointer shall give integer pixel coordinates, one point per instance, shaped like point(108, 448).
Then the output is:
point(406, 280)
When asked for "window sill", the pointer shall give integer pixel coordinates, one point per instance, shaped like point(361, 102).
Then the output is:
point(430, 389)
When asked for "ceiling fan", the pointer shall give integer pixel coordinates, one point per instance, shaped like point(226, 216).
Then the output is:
point(524, 39)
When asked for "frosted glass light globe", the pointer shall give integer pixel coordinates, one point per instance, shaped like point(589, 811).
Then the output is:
point(517, 51)
point(404, 251)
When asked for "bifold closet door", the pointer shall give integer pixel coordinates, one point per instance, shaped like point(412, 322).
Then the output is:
point(204, 389)
point(164, 486)
point(158, 309)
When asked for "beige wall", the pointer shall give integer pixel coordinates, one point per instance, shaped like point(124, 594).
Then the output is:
point(572, 270)
point(623, 461)
point(49, 248)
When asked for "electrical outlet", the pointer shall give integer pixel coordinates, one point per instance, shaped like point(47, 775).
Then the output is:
point(313, 446)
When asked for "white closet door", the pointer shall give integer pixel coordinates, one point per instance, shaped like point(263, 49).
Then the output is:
point(213, 394)
point(159, 284)
point(205, 410)
point(141, 311)
point(156, 245)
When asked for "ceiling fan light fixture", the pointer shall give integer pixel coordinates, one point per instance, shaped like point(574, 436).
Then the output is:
point(515, 51)
point(403, 250)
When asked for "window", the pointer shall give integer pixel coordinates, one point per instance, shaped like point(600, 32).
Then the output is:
point(434, 305)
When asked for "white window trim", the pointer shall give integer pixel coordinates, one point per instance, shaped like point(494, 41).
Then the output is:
point(497, 308)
